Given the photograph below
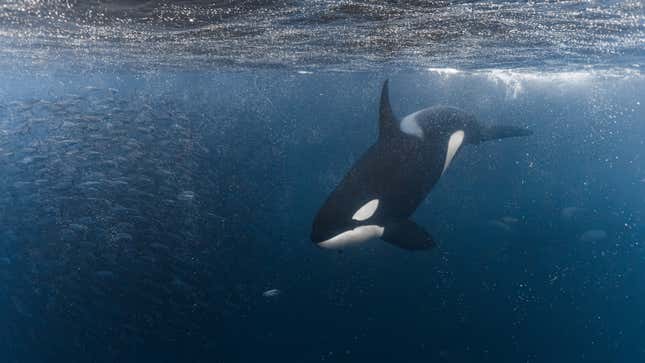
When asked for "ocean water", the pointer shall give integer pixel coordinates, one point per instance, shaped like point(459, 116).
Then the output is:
point(161, 164)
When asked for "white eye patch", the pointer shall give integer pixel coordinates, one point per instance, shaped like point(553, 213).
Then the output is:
point(366, 211)
point(455, 141)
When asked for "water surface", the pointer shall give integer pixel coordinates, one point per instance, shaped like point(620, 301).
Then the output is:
point(161, 164)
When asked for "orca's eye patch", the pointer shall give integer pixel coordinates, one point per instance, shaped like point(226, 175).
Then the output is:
point(366, 211)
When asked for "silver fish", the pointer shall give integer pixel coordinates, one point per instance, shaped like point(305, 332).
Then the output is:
point(271, 293)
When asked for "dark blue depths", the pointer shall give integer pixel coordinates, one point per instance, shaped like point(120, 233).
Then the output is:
point(142, 220)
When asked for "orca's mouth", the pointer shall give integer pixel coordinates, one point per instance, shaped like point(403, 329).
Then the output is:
point(321, 232)
point(317, 236)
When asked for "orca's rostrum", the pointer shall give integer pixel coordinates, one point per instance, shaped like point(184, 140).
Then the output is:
point(386, 185)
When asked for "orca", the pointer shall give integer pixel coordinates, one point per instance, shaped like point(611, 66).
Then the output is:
point(385, 186)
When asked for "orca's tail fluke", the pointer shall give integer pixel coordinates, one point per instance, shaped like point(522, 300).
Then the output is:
point(503, 131)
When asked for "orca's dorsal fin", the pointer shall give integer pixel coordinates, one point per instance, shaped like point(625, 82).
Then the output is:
point(387, 122)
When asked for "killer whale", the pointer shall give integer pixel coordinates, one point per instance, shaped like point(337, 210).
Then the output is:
point(385, 186)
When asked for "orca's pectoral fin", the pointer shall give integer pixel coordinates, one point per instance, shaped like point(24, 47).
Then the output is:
point(502, 132)
point(407, 235)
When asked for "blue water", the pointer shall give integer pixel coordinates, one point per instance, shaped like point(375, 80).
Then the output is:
point(148, 204)
point(265, 150)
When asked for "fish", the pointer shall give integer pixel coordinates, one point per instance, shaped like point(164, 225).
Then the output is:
point(95, 179)
point(105, 274)
point(509, 219)
point(271, 293)
point(500, 225)
point(593, 235)
point(122, 237)
point(570, 212)
point(186, 195)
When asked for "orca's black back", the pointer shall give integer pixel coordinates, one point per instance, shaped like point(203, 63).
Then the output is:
point(398, 172)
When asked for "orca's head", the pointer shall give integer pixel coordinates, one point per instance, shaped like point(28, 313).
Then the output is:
point(335, 228)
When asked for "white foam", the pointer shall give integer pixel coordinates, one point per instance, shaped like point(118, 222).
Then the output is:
point(445, 71)
point(516, 81)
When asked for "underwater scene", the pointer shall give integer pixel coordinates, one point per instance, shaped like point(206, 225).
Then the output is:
point(322, 181)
